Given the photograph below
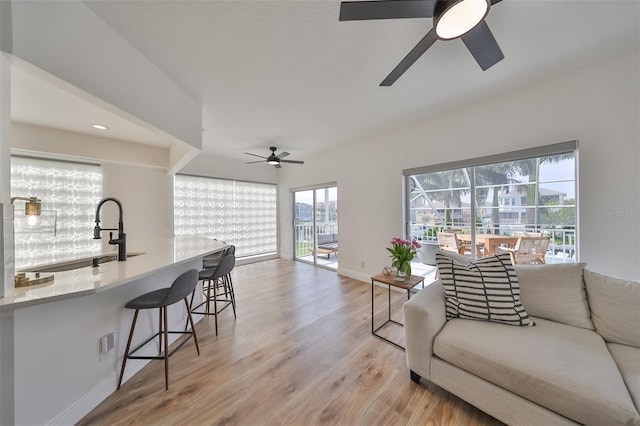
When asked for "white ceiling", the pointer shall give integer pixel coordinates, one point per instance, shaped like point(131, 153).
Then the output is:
point(288, 73)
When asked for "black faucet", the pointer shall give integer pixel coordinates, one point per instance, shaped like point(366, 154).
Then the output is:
point(122, 237)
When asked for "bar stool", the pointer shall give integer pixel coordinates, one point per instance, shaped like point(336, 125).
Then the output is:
point(180, 289)
point(214, 280)
point(213, 260)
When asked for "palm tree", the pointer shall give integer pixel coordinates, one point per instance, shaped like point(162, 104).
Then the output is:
point(499, 176)
point(454, 185)
point(530, 168)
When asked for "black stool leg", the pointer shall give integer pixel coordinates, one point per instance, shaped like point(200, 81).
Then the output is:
point(126, 351)
point(232, 294)
point(159, 331)
point(208, 309)
point(215, 306)
point(189, 306)
point(193, 327)
point(166, 349)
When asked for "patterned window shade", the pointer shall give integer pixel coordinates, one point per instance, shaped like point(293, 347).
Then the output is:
point(70, 193)
point(239, 213)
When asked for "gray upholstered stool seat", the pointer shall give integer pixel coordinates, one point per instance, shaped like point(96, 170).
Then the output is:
point(161, 298)
point(153, 299)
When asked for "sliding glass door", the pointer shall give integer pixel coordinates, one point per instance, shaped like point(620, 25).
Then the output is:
point(316, 226)
point(304, 235)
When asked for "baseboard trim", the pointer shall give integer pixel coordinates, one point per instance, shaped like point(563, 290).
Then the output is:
point(360, 276)
point(83, 406)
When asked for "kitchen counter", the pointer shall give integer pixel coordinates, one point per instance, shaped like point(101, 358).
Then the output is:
point(158, 255)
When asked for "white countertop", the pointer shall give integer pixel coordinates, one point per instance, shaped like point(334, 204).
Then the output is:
point(158, 254)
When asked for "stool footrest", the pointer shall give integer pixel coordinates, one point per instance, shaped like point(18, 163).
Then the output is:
point(141, 345)
point(225, 301)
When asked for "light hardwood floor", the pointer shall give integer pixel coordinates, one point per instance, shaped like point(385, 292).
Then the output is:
point(300, 353)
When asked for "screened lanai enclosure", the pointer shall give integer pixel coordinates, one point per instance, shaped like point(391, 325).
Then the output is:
point(521, 195)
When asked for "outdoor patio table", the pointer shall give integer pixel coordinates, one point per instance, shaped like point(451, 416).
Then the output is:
point(490, 241)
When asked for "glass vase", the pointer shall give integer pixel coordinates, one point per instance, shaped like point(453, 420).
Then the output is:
point(401, 275)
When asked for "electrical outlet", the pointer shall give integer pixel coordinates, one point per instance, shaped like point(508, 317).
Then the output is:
point(107, 343)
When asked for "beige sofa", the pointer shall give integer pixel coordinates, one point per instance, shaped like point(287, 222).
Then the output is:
point(580, 363)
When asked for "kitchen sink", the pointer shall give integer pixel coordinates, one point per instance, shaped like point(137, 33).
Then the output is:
point(77, 264)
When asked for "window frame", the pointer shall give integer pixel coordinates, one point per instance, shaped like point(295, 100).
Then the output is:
point(472, 163)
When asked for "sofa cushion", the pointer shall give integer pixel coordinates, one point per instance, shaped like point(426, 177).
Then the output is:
point(567, 369)
point(327, 238)
point(485, 289)
point(628, 360)
point(614, 307)
point(555, 292)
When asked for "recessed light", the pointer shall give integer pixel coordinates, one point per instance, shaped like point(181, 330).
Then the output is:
point(99, 126)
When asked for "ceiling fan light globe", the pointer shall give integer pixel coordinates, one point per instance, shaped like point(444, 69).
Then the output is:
point(455, 18)
point(273, 162)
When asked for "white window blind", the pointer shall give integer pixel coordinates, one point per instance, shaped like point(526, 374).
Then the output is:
point(69, 191)
point(240, 213)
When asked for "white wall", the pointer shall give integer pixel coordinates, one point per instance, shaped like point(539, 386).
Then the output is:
point(229, 168)
point(598, 105)
point(6, 213)
point(147, 200)
point(7, 375)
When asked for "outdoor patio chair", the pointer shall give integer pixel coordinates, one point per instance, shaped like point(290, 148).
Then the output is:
point(448, 241)
point(528, 250)
point(527, 234)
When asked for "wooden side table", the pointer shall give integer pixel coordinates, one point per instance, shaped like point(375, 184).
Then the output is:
point(389, 280)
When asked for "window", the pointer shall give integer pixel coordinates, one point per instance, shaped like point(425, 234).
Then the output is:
point(239, 213)
point(69, 193)
point(526, 192)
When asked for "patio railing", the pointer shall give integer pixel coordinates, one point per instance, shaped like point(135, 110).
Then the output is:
point(305, 238)
point(562, 243)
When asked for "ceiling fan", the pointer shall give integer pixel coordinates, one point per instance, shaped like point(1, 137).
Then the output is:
point(451, 19)
point(273, 159)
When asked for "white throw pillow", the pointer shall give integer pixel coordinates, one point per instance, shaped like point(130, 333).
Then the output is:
point(485, 289)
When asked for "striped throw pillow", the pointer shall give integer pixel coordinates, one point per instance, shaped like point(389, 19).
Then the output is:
point(485, 289)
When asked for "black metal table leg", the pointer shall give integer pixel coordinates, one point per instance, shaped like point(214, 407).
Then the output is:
point(388, 281)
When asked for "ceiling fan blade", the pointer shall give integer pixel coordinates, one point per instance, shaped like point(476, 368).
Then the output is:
point(282, 154)
point(495, 1)
point(386, 9)
point(255, 155)
point(413, 56)
point(278, 166)
point(483, 46)
point(292, 161)
point(254, 162)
